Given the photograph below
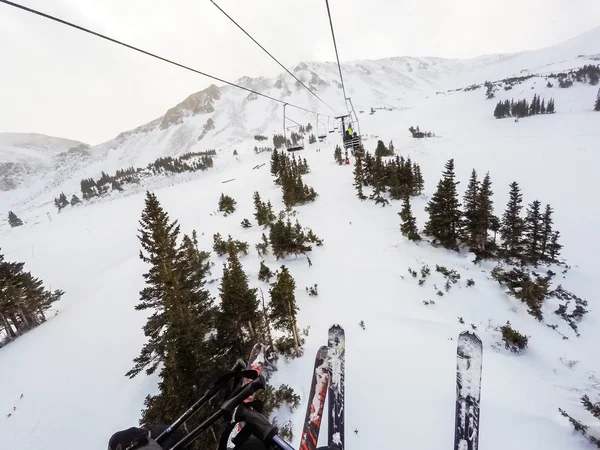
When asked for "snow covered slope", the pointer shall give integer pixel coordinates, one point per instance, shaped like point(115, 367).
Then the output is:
point(400, 380)
point(23, 154)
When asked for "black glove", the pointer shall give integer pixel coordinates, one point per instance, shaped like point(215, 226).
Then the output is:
point(132, 439)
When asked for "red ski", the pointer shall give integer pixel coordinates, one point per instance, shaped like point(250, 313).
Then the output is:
point(316, 401)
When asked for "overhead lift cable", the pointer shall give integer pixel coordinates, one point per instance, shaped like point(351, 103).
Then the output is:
point(336, 51)
point(352, 140)
point(272, 57)
point(131, 47)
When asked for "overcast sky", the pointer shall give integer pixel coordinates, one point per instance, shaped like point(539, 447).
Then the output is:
point(58, 81)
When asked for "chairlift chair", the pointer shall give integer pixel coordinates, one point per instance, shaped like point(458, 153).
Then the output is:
point(322, 135)
point(298, 146)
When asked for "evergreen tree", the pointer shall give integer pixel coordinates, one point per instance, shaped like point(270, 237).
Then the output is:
point(381, 150)
point(469, 225)
point(409, 223)
point(512, 227)
point(533, 106)
point(337, 155)
point(24, 300)
point(158, 237)
point(226, 204)
point(61, 201)
point(398, 189)
point(312, 139)
point(13, 220)
point(597, 105)
point(264, 273)
point(484, 214)
point(391, 147)
point(546, 233)
point(379, 179)
point(550, 107)
point(543, 107)
point(283, 308)
point(289, 239)
point(444, 212)
point(368, 164)
point(418, 177)
point(359, 178)
point(75, 200)
point(238, 321)
point(275, 162)
point(533, 233)
point(263, 214)
point(554, 247)
point(188, 360)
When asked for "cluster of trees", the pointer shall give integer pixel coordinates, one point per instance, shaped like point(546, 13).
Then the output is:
point(522, 108)
point(231, 245)
point(13, 220)
point(189, 337)
point(62, 202)
point(169, 164)
point(188, 162)
point(530, 239)
point(258, 150)
point(295, 138)
point(382, 150)
point(397, 176)
point(417, 133)
point(260, 137)
point(312, 139)
point(288, 174)
point(597, 104)
point(586, 74)
point(278, 141)
point(24, 300)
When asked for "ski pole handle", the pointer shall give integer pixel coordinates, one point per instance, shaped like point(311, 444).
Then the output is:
point(259, 425)
point(243, 393)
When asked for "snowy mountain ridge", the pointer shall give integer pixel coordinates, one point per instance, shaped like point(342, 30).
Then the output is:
point(225, 117)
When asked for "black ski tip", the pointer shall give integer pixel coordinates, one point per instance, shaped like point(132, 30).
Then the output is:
point(322, 352)
point(471, 335)
point(336, 328)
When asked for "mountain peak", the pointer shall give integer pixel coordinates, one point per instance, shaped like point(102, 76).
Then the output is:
point(201, 102)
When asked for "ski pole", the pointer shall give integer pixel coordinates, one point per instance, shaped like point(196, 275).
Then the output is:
point(227, 407)
point(214, 389)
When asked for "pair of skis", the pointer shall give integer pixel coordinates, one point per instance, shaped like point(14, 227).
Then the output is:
point(327, 382)
point(328, 379)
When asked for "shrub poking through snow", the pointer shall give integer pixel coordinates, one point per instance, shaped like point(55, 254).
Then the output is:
point(513, 340)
